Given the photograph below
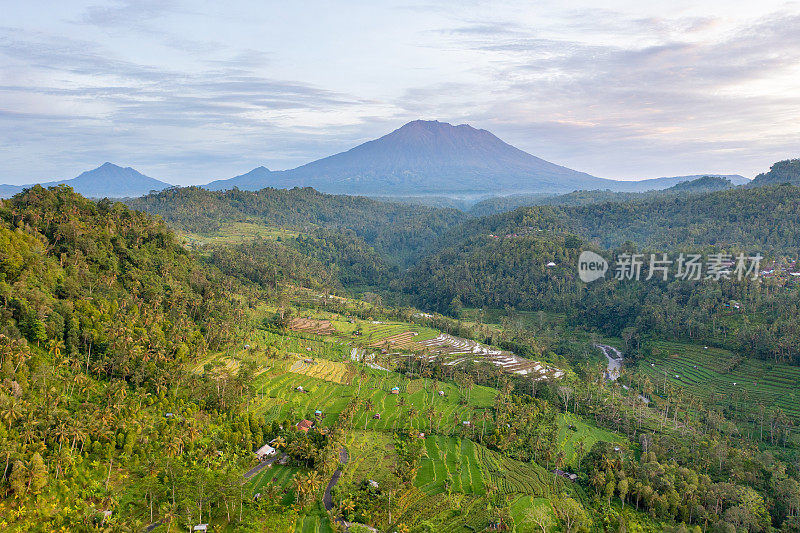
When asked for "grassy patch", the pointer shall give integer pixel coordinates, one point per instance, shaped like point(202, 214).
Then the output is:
point(569, 440)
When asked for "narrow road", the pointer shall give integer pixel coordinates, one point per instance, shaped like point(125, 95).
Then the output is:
point(327, 499)
point(262, 465)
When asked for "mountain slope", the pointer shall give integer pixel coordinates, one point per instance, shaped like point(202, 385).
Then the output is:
point(502, 259)
point(787, 171)
point(431, 157)
point(258, 178)
point(402, 232)
point(704, 184)
point(107, 180)
point(425, 157)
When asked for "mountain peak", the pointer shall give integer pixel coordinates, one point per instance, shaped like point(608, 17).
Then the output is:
point(436, 127)
point(425, 157)
point(107, 180)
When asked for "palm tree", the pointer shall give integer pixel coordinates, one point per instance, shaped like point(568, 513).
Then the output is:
point(348, 506)
point(13, 410)
point(279, 442)
point(313, 481)
point(368, 407)
point(306, 485)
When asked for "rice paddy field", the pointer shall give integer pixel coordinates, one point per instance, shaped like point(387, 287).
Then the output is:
point(278, 398)
point(455, 513)
point(314, 523)
point(398, 335)
point(323, 369)
point(569, 440)
point(277, 476)
point(468, 468)
point(451, 462)
point(237, 233)
point(721, 377)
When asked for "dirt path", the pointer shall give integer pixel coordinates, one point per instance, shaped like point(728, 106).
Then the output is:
point(327, 499)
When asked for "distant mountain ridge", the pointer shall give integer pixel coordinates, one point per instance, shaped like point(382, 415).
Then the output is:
point(425, 157)
point(436, 158)
point(420, 159)
point(107, 180)
point(655, 184)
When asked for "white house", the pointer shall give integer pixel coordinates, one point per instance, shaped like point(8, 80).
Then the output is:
point(265, 451)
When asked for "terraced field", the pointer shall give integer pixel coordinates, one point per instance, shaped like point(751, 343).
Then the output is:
point(323, 369)
point(279, 477)
point(300, 343)
point(376, 333)
point(317, 522)
point(450, 461)
point(237, 232)
point(279, 399)
point(510, 476)
point(468, 468)
point(455, 513)
point(721, 377)
point(314, 326)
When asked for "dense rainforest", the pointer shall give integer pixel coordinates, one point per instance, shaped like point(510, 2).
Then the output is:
point(399, 231)
point(101, 311)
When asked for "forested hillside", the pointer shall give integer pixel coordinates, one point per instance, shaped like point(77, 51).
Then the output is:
point(140, 374)
point(503, 204)
point(502, 261)
point(321, 260)
point(101, 311)
point(764, 218)
point(399, 231)
point(780, 173)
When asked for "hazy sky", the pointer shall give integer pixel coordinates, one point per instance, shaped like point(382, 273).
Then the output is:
point(192, 91)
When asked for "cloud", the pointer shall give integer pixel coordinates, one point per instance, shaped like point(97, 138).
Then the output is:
point(126, 13)
point(630, 111)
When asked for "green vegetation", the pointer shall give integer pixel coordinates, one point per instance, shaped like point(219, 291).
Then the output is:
point(139, 375)
point(401, 232)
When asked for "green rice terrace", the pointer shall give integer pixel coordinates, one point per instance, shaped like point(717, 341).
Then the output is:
point(722, 377)
point(295, 395)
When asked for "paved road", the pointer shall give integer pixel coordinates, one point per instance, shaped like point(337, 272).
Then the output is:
point(327, 499)
point(262, 465)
